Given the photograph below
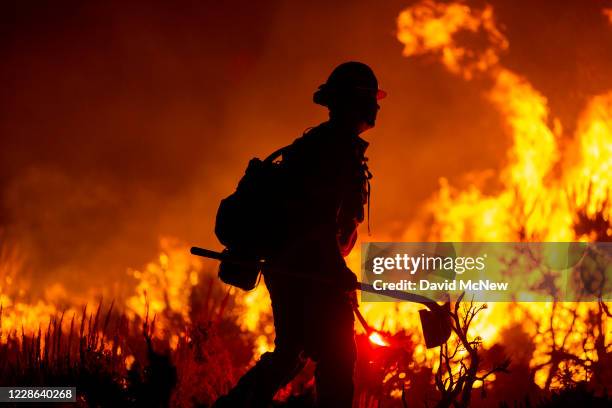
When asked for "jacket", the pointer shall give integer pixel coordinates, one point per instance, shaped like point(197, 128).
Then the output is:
point(327, 187)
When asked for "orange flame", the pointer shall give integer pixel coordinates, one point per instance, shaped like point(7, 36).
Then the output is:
point(544, 191)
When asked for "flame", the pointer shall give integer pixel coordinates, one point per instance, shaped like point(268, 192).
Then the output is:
point(546, 195)
point(17, 313)
point(163, 287)
point(258, 309)
point(429, 27)
point(377, 339)
point(589, 179)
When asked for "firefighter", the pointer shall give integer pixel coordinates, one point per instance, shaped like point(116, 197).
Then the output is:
point(327, 188)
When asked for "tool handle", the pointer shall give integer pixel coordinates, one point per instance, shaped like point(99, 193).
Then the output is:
point(207, 253)
point(224, 257)
point(362, 320)
point(399, 295)
point(366, 287)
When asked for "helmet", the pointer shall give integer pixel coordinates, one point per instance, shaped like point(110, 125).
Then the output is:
point(349, 78)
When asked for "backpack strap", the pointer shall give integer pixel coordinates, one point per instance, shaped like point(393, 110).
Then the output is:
point(276, 154)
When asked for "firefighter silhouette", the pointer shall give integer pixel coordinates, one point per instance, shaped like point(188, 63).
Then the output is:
point(328, 188)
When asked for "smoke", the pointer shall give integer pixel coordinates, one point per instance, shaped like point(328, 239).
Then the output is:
point(113, 128)
point(122, 123)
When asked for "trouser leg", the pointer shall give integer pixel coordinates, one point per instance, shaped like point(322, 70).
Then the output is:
point(334, 380)
point(258, 386)
point(275, 369)
point(336, 354)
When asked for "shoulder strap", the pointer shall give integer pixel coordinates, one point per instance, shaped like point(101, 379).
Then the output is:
point(276, 154)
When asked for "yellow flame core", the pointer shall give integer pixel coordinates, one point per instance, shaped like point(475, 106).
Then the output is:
point(542, 189)
point(589, 178)
point(257, 309)
point(163, 287)
point(376, 338)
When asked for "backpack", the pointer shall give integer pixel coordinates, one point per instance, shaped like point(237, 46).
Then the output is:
point(250, 221)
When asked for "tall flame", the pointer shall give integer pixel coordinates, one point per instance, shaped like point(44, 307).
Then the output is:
point(543, 190)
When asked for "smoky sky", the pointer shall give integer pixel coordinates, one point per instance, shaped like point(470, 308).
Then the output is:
point(121, 122)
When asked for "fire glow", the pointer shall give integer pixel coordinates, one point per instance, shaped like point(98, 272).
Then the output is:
point(554, 187)
point(377, 339)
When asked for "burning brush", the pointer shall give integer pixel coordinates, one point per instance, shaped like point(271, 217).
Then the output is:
point(373, 336)
point(435, 321)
